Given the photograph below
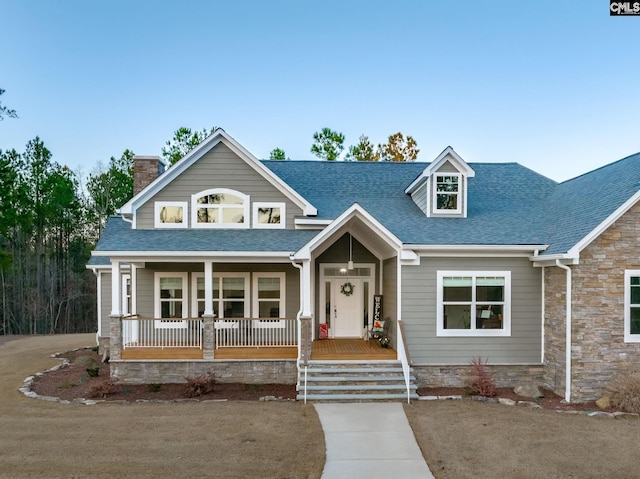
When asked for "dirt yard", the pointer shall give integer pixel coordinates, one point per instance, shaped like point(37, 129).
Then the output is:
point(248, 439)
point(468, 439)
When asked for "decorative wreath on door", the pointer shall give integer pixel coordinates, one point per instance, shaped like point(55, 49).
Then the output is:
point(347, 289)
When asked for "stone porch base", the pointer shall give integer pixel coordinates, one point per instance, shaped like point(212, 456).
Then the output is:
point(239, 371)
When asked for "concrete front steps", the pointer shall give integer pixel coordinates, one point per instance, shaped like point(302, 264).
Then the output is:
point(355, 381)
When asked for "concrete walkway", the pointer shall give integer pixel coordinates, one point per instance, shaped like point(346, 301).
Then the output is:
point(369, 440)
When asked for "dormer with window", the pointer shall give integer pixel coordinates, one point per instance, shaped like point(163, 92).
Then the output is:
point(441, 190)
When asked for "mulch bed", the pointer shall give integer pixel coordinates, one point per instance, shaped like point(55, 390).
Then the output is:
point(550, 400)
point(73, 382)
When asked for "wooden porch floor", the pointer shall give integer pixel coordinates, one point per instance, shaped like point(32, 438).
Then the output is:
point(323, 349)
point(350, 349)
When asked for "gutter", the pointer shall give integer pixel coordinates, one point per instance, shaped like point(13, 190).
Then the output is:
point(567, 379)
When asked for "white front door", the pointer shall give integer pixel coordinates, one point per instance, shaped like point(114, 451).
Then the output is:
point(347, 308)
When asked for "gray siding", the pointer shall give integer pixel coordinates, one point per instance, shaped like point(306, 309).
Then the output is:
point(419, 197)
point(390, 289)
point(105, 298)
point(219, 168)
point(419, 314)
point(146, 279)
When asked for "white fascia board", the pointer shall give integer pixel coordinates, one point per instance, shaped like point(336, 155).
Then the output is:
point(311, 222)
point(195, 257)
point(198, 152)
point(471, 248)
point(602, 227)
point(550, 260)
point(353, 211)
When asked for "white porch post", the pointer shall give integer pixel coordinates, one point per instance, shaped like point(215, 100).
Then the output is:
point(134, 290)
point(115, 333)
point(116, 289)
point(208, 330)
point(208, 288)
point(305, 288)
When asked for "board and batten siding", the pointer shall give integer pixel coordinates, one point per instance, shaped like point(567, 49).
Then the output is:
point(219, 168)
point(523, 346)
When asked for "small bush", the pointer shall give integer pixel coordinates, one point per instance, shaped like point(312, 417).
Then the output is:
point(102, 389)
point(200, 385)
point(93, 371)
point(480, 380)
point(624, 392)
point(154, 388)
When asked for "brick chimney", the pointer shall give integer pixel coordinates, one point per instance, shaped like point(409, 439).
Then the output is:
point(145, 170)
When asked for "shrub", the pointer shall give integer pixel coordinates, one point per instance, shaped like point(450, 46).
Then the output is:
point(624, 392)
point(102, 388)
point(93, 371)
point(200, 385)
point(480, 380)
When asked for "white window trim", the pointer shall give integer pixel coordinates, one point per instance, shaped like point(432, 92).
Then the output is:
point(219, 300)
point(195, 205)
point(435, 193)
point(628, 337)
point(157, 310)
point(263, 204)
point(257, 323)
point(157, 207)
point(506, 316)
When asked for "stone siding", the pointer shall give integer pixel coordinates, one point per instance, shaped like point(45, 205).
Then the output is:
point(455, 376)
point(247, 372)
point(599, 350)
point(555, 280)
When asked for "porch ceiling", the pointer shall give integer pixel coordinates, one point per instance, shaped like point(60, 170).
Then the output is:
point(364, 234)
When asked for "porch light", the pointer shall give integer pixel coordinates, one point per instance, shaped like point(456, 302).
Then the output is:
point(350, 262)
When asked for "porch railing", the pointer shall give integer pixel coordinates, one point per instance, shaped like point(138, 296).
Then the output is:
point(255, 333)
point(161, 333)
point(403, 356)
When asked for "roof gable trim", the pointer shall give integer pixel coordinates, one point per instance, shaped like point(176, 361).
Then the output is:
point(448, 154)
point(198, 152)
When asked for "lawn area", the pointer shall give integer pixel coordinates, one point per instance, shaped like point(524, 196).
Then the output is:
point(468, 439)
point(247, 439)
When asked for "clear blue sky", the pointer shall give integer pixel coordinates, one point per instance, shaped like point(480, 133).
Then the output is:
point(553, 85)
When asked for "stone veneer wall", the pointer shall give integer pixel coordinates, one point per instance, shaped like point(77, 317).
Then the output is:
point(599, 350)
point(103, 344)
point(454, 376)
point(247, 372)
point(555, 280)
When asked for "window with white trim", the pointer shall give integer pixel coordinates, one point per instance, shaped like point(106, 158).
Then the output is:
point(269, 295)
point(170, 214)
point(269, 215)
point(632, 306)
point(220, 208)
point(170, 293)
point(473, 303)
point(230, 294)
point(446, 193)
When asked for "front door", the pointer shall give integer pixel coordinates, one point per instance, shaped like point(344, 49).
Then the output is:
point(347, 307)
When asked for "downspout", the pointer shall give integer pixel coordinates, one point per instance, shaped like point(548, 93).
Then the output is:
point(567, 379)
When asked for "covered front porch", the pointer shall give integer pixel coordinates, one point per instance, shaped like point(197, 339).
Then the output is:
point(241, 339)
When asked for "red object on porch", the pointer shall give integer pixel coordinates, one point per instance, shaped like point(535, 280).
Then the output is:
point(324, 331)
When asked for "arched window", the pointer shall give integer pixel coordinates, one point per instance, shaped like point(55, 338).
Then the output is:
point(220, 208)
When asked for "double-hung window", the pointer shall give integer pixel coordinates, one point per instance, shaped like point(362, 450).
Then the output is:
point(269, 298)
point(473, 303)
point(170, 300)
point(446, 193)
point(632, 306)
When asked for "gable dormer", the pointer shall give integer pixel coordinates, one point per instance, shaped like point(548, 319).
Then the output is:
point(441, 190)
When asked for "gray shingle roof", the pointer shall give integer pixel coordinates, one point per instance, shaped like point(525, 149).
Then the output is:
point(508, 204)
point(505, 199)
point(119, 236)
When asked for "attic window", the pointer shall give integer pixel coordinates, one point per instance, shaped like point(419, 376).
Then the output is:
point(220, 208)
point(268, 215)
point(170, 214)
point(446, 193)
